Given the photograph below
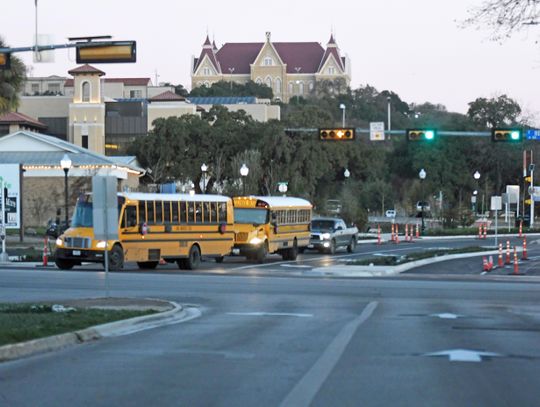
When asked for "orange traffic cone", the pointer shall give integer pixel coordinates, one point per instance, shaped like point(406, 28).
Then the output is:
point(480, 231)
point(520, 228)
point(524, 254)
point(490, 263)
point(500, 262)
point(516, 267)
point(485, 230)
point(485, 265)
point(397, 235)
point(507, 252)
point(417, 231)
point(378, 235)
point(45, 251)
point(406, 232)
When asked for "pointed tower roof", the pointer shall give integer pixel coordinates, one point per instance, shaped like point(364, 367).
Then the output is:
point(332, 49)
point(208, 50)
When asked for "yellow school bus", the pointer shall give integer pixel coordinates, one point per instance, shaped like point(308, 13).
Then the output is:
point(270, 224)
point(177, 228)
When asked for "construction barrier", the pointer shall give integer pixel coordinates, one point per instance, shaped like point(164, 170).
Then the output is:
point(480, 231)
point(507, 252)
point(485, 266)
point(500, 262)
point(45, 251)
point(524, 254)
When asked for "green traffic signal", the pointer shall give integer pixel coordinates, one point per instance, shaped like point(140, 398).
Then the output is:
point(506, 135)
point(421, 134)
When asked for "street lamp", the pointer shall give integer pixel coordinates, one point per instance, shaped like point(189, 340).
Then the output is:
point(282, 188)
point(231, 70)
point(476, 176)
point(422, 174)
point(343, 107)
point(65, 163)
point(204, 168)
point(244, 171)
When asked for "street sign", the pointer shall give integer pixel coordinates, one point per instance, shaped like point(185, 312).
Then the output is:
point(533, 134)
point(376, 131)
point(105, 207)
point(496, 203)
point(513, 193)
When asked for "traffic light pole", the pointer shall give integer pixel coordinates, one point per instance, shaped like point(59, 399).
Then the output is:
point(4, 258)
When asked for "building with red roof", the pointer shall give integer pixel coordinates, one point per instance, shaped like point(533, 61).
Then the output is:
point(289, 68)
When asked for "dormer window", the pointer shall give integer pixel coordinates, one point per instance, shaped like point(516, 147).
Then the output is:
point(331, 70)
point(206, 71)
point(268, 61)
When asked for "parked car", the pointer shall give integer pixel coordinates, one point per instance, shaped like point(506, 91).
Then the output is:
point(329, 234)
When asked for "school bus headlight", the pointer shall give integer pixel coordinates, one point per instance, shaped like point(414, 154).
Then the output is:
point(255, 241)
point(102, 244)
point(325, 236)
point(59, 242)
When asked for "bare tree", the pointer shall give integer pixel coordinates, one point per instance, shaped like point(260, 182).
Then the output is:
point(505, 17)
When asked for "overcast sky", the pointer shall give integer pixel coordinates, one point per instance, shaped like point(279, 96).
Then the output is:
point(414, 48)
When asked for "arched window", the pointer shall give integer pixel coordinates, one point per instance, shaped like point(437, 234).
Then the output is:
point(290, 88)
point(331, 70)
point(301, 88)
point(85, 91)
point(258, 81)
point(311, 86)
point(206, 71)
point(277, 86)
point(268, 61)
point(269, 82)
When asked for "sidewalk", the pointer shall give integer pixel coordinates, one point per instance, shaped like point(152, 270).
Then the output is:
point(168, 313)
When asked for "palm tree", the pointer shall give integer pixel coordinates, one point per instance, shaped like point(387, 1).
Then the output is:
point(11, 82)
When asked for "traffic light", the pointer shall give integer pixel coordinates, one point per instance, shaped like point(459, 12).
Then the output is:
point(108, 52)
point(421, 134)
point(5, 60)
point(510, 135)
point(337, 134)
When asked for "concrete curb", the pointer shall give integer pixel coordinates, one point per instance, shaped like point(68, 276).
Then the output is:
point(385, 271)
point(116, 328)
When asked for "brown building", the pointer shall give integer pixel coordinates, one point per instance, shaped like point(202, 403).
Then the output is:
point(289, 68)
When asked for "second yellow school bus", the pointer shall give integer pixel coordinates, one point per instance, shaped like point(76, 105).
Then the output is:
point(152, 227)
point(271, 224)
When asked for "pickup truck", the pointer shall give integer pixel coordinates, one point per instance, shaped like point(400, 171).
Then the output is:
point(329, 234)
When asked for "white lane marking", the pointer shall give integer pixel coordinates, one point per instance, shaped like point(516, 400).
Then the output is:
point(271, 314)
point(296, 266)
point(305, 390)
point(464, 355)
point(446, 315)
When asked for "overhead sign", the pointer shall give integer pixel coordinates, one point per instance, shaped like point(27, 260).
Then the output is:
point(376, 131)
point(105, 207)
point(533, 134)
point(12, 204)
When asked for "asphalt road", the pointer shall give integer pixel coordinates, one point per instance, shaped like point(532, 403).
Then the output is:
point(287, 340)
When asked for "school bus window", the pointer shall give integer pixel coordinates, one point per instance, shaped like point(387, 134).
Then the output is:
point(142, 211)
point(174, 212)
point(190, 209)
point(130, 216)
point(207, 214)
point(167, 212)
point(159, 212)
point(214, 212)
point(198, 212)
point(183, 212)
point(150, 212)
point(222, 211)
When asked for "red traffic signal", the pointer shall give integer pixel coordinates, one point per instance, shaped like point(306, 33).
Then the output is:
point(337, 134)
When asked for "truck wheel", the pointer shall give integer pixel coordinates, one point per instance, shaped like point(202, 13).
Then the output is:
point(219, 259)
point(332, 248)
point(116, 258)
point(352, 246)
point(261, 253)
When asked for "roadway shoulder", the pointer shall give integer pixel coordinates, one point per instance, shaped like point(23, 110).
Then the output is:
point(174, 313)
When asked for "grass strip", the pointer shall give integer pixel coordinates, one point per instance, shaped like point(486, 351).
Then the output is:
point(23, 322)
point(396, 260)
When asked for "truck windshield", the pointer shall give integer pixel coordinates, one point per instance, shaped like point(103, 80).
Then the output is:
point(322, 225)
point(251, 216)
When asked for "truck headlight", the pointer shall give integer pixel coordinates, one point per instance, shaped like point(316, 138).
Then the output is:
point(325, 236)
point(102, 244)
point(255, 241)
